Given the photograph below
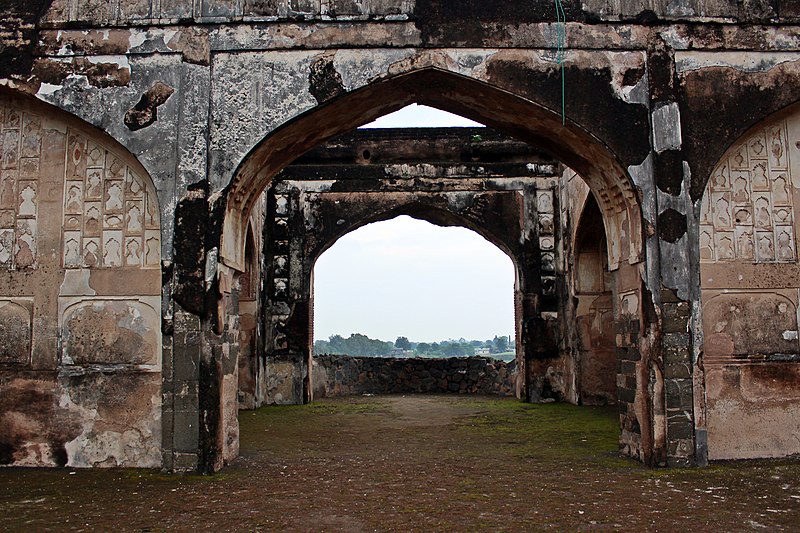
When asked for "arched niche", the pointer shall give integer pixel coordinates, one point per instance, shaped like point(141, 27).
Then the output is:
point(251, 374)
point(593, 291)
point(80, 252)
point(750, 281)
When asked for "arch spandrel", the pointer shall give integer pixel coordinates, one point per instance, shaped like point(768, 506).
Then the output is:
point(469, 97)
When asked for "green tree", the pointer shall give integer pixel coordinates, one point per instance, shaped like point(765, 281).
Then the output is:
point(322, 347)
point(402, 343)
point(453, 349)
point(356, 344)
point(423, 348)
point(500, 344)
point(337, 344)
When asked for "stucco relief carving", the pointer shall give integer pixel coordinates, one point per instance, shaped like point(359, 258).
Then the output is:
point(747, 210)
point(110, 332)
point(20, 154)
point(110, 212)
point(15, 332)
point(545, 208)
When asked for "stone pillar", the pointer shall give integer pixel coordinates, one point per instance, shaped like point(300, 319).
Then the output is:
point(287, 302)
point(181, 379)
point(679, 297)
point(184, 303)
point(539, 288)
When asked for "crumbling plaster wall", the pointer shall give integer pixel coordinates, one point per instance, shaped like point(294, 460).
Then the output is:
point(80, 306)
point(750, 288)
point(140, 73)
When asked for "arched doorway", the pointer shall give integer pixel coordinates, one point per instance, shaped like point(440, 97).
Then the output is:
point(440, 292)
point(571, 144)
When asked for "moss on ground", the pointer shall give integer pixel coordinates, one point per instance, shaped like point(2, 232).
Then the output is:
point(424, 463)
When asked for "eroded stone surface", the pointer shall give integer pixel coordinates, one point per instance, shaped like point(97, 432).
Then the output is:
point(110, 332)
point(118, 418)
point(15, 332)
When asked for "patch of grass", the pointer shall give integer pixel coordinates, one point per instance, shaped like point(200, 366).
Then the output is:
point(555, 431)
point(269, 426)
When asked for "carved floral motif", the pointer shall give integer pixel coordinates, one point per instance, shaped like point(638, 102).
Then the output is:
point(20, 155)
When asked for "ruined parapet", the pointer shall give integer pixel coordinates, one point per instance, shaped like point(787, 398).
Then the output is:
point(344, 375)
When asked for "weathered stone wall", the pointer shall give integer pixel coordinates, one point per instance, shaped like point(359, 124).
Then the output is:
point(215, 97)
point(343, 375)
point(751, 287)
point(80, 304)
point(437, 17)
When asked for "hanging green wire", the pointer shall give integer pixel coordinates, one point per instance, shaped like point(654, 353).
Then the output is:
point(561, 30)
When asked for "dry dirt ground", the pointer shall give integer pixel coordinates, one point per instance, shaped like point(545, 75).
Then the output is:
point(415, 463)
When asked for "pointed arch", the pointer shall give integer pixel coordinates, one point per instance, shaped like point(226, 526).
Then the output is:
point(456, 93)
point(420, 210)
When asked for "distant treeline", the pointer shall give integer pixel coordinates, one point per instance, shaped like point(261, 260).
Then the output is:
point(358, 344)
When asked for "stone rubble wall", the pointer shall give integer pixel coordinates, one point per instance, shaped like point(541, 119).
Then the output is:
point(343, 375)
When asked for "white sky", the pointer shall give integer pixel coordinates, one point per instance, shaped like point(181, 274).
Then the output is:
point(409, 277)
point(420, 116)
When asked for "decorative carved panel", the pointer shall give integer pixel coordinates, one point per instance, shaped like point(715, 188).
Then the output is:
point(110, 332)
point(20, 156)
point(110, 212)
point(747, 209)
point(545, 207)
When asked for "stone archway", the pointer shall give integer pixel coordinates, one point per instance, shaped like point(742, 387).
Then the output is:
point(329, 216)
point(572, 144)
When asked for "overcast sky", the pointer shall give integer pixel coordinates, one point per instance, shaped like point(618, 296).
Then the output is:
point(420, 116)
point(409, 277)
